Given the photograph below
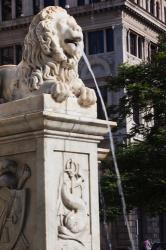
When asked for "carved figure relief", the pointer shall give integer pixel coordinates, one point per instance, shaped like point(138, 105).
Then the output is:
point(12, 205)
point(51, 52)
point(72, 211)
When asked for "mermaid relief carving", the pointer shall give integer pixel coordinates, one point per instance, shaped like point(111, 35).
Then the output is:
point(72, 211)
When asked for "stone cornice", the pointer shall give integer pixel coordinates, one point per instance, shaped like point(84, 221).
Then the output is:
point(144, 16)
point(42, 113)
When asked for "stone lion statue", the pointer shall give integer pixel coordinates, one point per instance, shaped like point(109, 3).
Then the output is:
point(51, 52)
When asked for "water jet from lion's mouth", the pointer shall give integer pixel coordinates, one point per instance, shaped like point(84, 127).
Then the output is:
point(112, 147)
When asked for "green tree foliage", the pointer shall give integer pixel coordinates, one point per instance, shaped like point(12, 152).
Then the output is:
point(143, 163)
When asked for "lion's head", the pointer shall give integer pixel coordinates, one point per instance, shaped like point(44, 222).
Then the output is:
point(52, 48)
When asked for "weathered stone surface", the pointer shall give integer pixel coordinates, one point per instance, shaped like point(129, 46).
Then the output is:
point(59, 144)
point(13, 204)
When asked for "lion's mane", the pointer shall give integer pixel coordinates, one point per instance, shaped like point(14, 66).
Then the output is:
point(43, 57)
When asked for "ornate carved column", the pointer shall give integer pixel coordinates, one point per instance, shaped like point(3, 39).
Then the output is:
point(57, 144)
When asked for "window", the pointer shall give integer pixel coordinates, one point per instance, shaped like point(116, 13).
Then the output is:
point(110, 39)
point(94, 1)
point(136, 114)
point(7, 55)
point(6, 10)
point(18, 8)
point(96, 42)
point(152, 7)
point(136, 110)
point(147, 5)
point(80, 2)
point(18, 53)
point(11, 54)
point(152, 49)
point(62, 3)
point(133, 44)
point(157, 10)
point(140, 47)
point(104, 92)
point(100, 41)
point(36, 6)
point(84, 40)
point(165, 14)
point(49, 3)
point(127, 41)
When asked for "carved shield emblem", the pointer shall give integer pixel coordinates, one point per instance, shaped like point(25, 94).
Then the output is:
point(12, 211)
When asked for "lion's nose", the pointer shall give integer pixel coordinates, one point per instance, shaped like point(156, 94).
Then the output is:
point(76, 28)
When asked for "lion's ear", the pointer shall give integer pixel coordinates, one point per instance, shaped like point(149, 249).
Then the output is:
point(45, 45)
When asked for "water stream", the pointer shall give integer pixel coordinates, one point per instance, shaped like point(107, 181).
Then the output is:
point(112, 147)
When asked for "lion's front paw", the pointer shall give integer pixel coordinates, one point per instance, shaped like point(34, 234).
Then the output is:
point(87, 97)
point(60, 92)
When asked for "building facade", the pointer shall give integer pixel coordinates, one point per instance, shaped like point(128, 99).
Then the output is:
point(115, 31)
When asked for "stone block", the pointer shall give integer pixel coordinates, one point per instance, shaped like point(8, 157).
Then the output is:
point(50, 199)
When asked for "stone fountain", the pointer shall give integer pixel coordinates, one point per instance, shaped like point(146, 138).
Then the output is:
point(48, 142)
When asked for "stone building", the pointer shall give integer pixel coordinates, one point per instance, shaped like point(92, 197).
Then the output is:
point(115, 31)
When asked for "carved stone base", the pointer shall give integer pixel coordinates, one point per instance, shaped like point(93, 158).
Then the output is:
point(58, 142)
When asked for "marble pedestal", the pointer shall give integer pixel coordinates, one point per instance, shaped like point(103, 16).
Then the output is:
point(51, 151)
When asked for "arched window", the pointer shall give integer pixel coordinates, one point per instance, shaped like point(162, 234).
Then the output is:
point(6, 10)
point(157, 10)
point(18, 8)
point(152, 7)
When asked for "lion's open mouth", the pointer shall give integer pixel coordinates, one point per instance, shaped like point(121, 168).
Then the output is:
point(74, 41)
